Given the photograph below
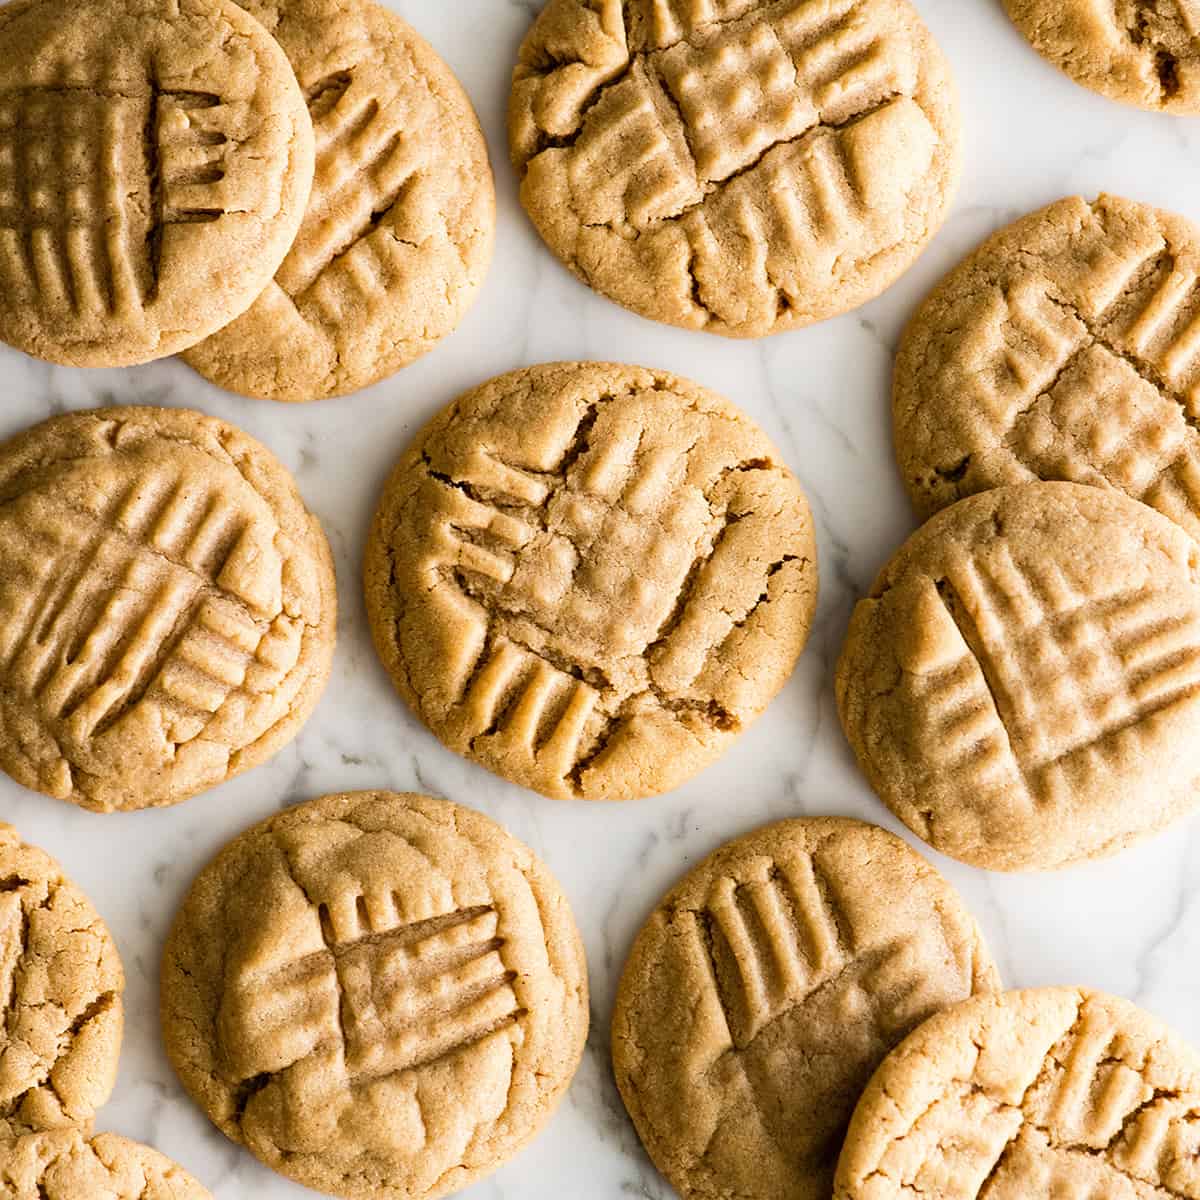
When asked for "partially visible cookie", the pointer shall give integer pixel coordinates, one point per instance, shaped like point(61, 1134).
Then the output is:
point(60, 992)
point(167, 606)
point(1022, 685)
point(591, 578)
point(67, 1165)
point(741, 167)
point(1143, 52)
point(765, 989)
point(1066, 347)
point(377, 994)
point(398, 234)
point(155, 161)
point(1048, 1092)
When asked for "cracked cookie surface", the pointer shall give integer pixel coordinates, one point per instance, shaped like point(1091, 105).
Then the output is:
point(399, 230)
point(155, 161)
point(1067, 346)
point(67, 1165)
point(60, 995)
point(167, 606)
point(1022, 686)
point(766, 988)
point(377, 994)
point(736, 166)
point(1048, 1092)
point(591, 578)
point(1142, 52)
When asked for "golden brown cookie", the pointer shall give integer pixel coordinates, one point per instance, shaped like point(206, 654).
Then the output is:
point(155, 161)
point(590, 578)
point(399, 230)
point(1066, 347)
point(1143, 52)
point(740, 166)
point(1022, 686)
point(377, 994)
point(1050, 1092)
point(67, 1165)
point(167, 606)
point(60, 992)
point(765, 989)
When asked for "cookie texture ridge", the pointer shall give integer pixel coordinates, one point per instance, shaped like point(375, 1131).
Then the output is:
point(1050, 1092)
point(155, 161)
point(736, 166)
point(1022, 685)
point(60, 991)
point(1066, 347)
point(399, 230)
point(1143, 52)
point(378, 994)
point(167, 606)
point(591, 578)
point(67, 1165)
point(765, 989)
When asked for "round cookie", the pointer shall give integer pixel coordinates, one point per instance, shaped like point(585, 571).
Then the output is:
point(1022, 686)
point(749, 167)
point(155, 162)
point(1137, 52)
point(167, 606)
point(766, 988)
point(67, 1165)
point(60, 991)
point(399, 230)
point(1048, 1092)
point(1066, 347)
point(377, 994)
point(590, 578)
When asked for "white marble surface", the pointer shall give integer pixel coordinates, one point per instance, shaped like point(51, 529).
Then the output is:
point(1131, 925)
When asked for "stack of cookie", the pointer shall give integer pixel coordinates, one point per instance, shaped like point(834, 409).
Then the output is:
point(294, 192)
point(1022, 687)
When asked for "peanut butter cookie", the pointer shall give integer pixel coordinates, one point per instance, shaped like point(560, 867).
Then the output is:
point(1143, 52)
point(1066, 347)
point(765, 989)
point(399, 230)
point(167, 606)
point(155, 161)
point(60, 992)
point(66, 1165)
point(591, 578)
point(741, 167)
point(1022, 686)
point(1050, 1092)
point(377, 994)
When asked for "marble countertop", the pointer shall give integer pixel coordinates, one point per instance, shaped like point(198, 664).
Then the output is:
point(1130, 925)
